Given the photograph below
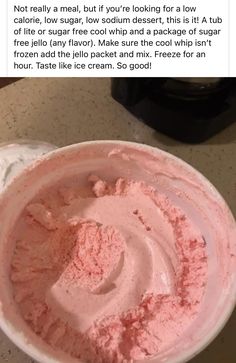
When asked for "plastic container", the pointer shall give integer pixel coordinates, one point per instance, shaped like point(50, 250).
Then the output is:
point(126, 159)
point(17, 154)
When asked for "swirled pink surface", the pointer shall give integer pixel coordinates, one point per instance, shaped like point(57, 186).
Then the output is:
point(113, 272)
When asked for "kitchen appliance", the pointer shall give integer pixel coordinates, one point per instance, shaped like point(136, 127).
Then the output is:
point(187, 109)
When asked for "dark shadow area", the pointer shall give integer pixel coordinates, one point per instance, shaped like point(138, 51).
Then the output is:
point(5, 81)
point(223, 348)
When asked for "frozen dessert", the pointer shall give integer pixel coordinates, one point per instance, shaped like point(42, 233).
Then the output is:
point(110, 272)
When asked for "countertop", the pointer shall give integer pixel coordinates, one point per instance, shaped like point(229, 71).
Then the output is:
point(65, 111)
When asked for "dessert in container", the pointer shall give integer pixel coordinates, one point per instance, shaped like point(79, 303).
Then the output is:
point(141, 196)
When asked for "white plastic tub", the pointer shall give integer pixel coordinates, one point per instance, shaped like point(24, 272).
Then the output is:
point(126, 159)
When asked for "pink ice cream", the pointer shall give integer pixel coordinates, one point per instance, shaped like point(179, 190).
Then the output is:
point(113, 272)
